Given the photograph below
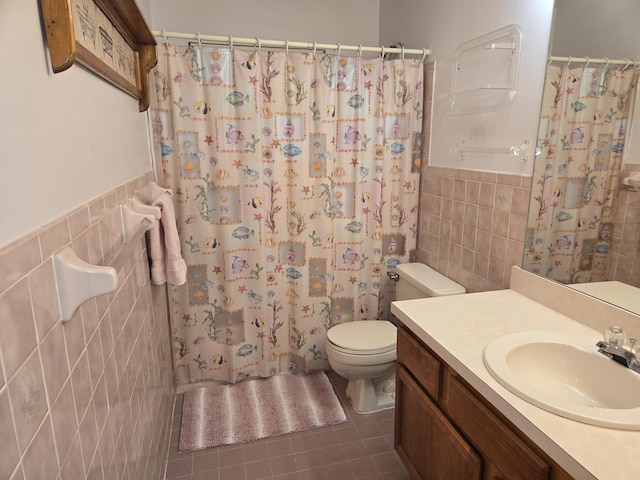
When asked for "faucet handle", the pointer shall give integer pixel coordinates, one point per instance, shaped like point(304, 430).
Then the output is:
point(614, 335)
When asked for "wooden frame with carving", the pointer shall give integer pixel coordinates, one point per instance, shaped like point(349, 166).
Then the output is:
point(109, 37)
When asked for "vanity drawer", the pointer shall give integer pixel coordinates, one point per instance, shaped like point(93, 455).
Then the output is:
point(497, 443)
point(426, 368)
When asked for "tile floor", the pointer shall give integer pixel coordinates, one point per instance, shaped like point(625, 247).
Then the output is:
point(361, 448)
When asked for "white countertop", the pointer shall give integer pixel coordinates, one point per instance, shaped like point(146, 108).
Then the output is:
point(457, 328)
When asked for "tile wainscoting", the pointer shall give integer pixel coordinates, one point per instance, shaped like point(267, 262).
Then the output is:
point(625, 247)
point(90, 398)
point(472, 225)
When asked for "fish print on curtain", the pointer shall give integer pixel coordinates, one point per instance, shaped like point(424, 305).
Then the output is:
point(296, 183)
point(575, 180)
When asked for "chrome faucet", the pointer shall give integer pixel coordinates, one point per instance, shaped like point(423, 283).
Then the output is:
point(617, 353)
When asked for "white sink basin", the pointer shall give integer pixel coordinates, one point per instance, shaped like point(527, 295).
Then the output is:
point(566, 375)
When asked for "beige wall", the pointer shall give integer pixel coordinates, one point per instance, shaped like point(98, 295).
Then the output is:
point(92, 396)
point(587, 27)
point(330, 21)
point(66, 138)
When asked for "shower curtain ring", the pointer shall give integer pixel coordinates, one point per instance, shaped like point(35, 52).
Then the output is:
point(315, 45)
point(230, 41)
point(402, 50)
point(626, 64)
point(286, 46)
point(424, 55)
point(606, 65)
point(359, 50)
point(339, 49)
point(258, 44)
point(382, 52)
point(569, 62)
point(199, 40)
point(164, 34)
point(588, 60)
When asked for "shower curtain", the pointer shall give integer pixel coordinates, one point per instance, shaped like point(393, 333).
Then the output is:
point(295, 178)
point(575, 180)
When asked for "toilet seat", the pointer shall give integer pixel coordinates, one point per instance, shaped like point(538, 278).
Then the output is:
point(365, 337)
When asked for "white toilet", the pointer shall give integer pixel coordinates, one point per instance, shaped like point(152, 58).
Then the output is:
point(364, 352)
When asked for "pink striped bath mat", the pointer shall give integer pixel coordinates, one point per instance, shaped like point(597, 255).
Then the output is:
point(258, 408)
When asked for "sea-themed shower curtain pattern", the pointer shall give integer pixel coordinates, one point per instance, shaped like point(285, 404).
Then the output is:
point(295, 179)
point(575, 180)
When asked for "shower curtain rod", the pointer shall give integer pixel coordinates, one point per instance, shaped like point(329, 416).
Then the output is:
point(258, 42)
point(626, 61)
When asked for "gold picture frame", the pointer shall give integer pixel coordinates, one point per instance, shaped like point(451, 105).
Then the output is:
point(109, 37)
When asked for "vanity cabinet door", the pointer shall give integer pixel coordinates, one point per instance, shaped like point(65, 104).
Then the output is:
point(430, 447)
point(497, 443)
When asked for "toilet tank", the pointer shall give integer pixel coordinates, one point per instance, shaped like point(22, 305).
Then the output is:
point(417, 280)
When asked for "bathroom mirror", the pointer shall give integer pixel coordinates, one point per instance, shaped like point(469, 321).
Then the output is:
point(595, 30)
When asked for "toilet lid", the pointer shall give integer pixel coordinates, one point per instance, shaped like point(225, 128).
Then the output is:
point(365, 336)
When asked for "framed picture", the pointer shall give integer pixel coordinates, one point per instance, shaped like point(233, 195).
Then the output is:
point(109, 37)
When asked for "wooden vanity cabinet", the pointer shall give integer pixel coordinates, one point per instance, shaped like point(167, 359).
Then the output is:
point(445, 430)
point(429, 445)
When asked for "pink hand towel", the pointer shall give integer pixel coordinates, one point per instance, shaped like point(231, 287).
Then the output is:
point(167, 264)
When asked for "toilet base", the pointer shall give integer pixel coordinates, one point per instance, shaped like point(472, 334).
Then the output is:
point(369, 396)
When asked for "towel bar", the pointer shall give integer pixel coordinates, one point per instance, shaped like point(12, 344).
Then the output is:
point(77, 281)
